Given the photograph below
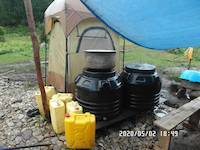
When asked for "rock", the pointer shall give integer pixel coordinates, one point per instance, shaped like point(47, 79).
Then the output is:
point(184, 133)
point(174, 86)
point(36, 132)
point(172, 102)
point(173, 71)
point(16, 132)
point(54, 140)
point(31, 141)
point(20, 116)
point(27, 134)
point(19, 124)
point(190, 85)
point(56, 147)
point(10, 124)
point(2, 115)
point(62, 138)
point(179, 127)
point(166, 83)
point(194, 94)
point(18, 139)
point(39, 138)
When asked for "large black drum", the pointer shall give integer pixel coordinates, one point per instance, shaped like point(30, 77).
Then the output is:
point(142, 87)
point(99, 93)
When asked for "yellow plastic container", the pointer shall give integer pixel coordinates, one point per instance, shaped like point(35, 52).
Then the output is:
point(57, 112)
point(73, 107)
point(50, 91)
point(65, 97)
point(80, 131)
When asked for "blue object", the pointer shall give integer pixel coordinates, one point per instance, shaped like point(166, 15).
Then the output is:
point(191, 75)
point(156, 24)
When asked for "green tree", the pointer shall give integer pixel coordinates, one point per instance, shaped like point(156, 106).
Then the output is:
point(2, 39)
point(12, 12)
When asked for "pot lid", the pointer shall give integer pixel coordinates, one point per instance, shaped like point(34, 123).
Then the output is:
point(140, 68)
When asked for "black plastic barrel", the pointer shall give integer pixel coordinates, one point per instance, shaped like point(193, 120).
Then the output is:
point(142, 87)
point(99, 93)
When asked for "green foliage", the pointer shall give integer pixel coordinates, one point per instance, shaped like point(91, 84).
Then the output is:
point(1, 31)
point(41, 32)
point(180, 51)
point(12, 12)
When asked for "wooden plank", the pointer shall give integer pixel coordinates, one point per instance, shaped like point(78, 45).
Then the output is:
point(163, 142)
point(177, 116)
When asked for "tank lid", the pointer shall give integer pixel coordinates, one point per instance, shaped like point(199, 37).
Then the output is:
point(140, 68)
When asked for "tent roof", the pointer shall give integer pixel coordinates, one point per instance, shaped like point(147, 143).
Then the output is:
point(153, 24)
point(69, 12)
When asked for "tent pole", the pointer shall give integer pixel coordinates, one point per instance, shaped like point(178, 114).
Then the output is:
point(36, 53)
point(66, 56)
point(45, 59)
point(66, 67)
point(124, 44)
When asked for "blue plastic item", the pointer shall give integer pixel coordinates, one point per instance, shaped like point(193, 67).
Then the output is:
point(191, 75)
point(156, 24)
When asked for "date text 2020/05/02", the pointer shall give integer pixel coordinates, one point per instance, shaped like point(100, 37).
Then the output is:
point(129, 133)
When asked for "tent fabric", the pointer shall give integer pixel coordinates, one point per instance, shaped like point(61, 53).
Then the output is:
point(57, 58)
point(69, 12)
point(152, 24)
point(55, 9)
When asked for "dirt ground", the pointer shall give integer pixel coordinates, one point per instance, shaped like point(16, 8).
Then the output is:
point(17, 87)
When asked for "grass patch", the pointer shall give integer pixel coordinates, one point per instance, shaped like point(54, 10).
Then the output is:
point(161, 59)
point(17, 47)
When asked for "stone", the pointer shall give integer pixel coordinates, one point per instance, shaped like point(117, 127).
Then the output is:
point(31, 141)
point(36, 132)
point(2, 115)
point(27, 134)
point(62, 138)
point(54, 140)
point(10, 124)
point(39, 138)
point(184, 133)
point(179, 127)
point(20, 116)
point(19, 124)
point(56, 147)
point(194, 94)
point(18, 139)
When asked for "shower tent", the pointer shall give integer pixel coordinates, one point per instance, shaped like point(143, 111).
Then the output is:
point(72, 29)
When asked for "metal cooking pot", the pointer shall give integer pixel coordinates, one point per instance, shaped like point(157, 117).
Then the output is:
point(100, 59)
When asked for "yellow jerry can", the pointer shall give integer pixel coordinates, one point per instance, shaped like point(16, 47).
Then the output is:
point(65, 97)
point(80, 131)
point(50, 91)
point(74, 107)
point(57, 112)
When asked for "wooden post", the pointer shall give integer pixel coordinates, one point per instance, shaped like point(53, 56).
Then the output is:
point(36, 52)
point(189, 64)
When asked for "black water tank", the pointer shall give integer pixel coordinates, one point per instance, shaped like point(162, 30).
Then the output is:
point(99, 93)
point(142, 86)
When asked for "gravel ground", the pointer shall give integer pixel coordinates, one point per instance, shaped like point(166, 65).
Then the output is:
point(16, 129)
